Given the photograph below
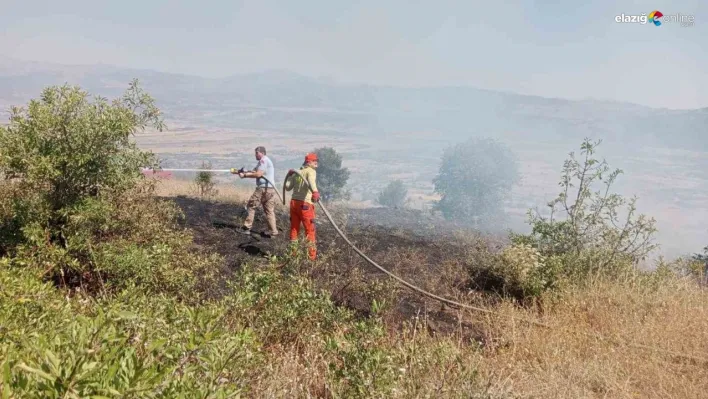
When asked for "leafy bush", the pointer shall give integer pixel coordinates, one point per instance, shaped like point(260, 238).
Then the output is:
point(281, 307)
point(74, 205)
point(204, 182)
point(395, 195)
point(518, 270)
point(363, 367)
point(474, 179)
point(589, 231)
point(131, 345)
point(146, 345)
point(522, 266)
point(331, 176)
point(65, 148)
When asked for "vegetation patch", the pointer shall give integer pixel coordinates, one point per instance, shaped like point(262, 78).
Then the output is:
point(107, 290)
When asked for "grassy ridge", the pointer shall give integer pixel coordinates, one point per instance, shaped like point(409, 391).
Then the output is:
point(105, 295)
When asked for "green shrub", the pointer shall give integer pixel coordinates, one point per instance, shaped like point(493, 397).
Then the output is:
point(363, 367)
point(130, 344)
point(136, 343)
point(204, 182)
point(63, 148)
point(281, 307)
point(74, 205)
point(395, 195)
point(518, 270)
point(523, 266)
point(587, 231)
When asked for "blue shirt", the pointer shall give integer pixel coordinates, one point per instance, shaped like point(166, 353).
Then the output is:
point(266, 165)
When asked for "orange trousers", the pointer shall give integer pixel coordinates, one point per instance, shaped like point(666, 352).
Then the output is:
point(303, 213)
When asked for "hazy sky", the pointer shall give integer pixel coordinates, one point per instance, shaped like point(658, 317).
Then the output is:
point(568, 49)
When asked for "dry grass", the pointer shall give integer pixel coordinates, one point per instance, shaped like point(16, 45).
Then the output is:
point(609, 339)
point(226, 193)
point(532, 362)
point(421, 366)
point(599, 346)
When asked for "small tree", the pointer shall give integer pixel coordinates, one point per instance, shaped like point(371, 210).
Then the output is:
point(702, 257)
point(331, 176)
point(394, 195)
point(474, 179)
point(698, 266)
point(73, 200)
point(64, 149)
point(205, 181)
point(582, 219)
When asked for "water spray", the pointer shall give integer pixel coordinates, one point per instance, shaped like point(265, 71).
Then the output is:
point(218, 171)
point(192, 170)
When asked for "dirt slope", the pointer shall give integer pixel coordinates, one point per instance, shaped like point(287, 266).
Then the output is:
point(414, 246)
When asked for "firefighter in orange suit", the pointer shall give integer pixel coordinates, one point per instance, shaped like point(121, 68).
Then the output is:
point(302, 203)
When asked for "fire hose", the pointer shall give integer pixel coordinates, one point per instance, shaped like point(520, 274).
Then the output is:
point(458, 305)
point(224, 171)
point(360, 252)
point(386, 271)
point(451, 302)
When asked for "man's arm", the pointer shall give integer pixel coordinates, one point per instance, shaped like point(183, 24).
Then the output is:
point(253, 174)
point(312, 179)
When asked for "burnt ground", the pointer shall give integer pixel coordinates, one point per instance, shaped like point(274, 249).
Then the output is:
point(416, 246)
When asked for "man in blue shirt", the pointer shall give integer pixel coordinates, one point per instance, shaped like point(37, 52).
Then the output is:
point(264, 194)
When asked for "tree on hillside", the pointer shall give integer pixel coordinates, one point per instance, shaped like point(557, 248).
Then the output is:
point(331, 176)
point(702, 257)
point(474, 179)
point(394, 195)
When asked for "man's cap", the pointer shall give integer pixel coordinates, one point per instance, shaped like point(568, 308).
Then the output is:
point(310, 157)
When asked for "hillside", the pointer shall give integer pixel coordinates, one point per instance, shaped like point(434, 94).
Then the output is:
point(664, 153)
point(118, 285)
point(279, 100)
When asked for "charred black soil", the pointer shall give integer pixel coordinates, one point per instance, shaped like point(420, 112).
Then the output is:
point(418, 247)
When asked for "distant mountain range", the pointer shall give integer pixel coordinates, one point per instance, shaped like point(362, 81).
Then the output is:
point(287, 101)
